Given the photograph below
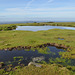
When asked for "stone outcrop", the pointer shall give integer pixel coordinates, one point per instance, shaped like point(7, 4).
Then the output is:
point(35, 64)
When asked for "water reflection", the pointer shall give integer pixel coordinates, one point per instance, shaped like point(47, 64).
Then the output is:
point(50, 54)
point(38, 28)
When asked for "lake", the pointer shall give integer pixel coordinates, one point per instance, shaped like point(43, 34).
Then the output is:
point(38, 28)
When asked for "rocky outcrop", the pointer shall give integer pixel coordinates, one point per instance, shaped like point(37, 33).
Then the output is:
point(35, 64)
point(35, 60)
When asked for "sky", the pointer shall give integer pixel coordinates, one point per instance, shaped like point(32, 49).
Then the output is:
point(37, 10)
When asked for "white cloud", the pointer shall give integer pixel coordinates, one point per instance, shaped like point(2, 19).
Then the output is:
point(40, 13)
point(40, 9)
point(20, 9)
point(29, 3)
point(52, 12)
point(53, 9)
point(14, 9)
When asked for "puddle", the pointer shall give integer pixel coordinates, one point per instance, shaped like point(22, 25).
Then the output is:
point(22, 56)
point(60, 39)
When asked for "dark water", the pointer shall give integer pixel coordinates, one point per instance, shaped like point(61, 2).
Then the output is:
point(60, 39)
point(38, 28)
point(25, 56)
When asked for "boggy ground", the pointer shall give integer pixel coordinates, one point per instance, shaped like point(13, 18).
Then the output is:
point(69, 24)
point(10, 39)
point(52, 69)
point(6, 27)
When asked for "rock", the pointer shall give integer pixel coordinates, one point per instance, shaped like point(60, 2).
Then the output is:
point(30, 63)
point(35, 64)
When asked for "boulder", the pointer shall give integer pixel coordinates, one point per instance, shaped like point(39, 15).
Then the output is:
point(35, 64)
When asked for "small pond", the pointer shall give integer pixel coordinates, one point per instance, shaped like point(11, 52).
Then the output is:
point(24, 56)
point(38, 28)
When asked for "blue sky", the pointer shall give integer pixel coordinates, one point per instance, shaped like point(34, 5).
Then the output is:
point(37, 10)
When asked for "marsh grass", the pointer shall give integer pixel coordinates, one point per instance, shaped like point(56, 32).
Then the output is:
point(69, 24)
point(29, 38)
point(44, 50)
point(20, 58)
point(44, 70)
point(61, 61)
point(7, 27)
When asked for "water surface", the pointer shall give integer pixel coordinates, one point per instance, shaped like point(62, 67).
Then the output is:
point(25, 56)
point(38, 28)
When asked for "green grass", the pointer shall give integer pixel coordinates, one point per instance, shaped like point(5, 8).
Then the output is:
point(44, 70)
point(10, 39)
point(7, 27)
point(69, 24)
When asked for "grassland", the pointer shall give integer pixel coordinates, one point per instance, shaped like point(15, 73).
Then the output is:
point(44, 70)
point(10, 39)
point(68, 24)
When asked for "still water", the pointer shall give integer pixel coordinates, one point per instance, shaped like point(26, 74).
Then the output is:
point(38, 28)
point(25, 56)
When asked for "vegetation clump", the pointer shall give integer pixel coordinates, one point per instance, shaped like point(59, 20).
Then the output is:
point(7, 27)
